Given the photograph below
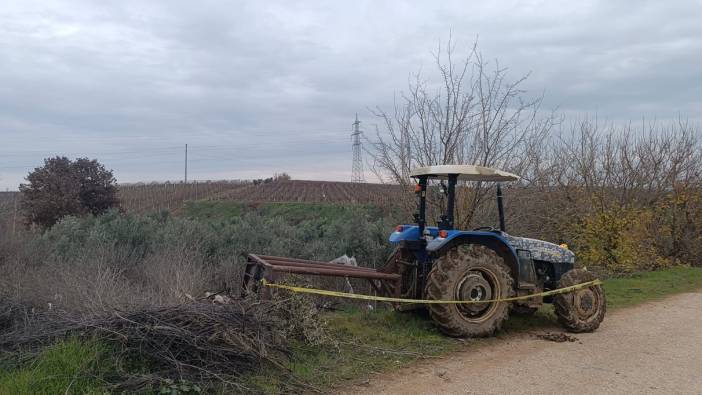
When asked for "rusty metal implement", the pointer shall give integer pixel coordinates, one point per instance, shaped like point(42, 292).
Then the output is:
point(385, 281)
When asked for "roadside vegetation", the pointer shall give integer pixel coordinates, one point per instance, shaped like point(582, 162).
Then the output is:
point(358, 343)
point(88, 268)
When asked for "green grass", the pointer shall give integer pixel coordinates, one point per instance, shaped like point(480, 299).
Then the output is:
point(293, 213)
point(72, 366)
point(370, 341)
point(363, 342)
point(216, 209)
point(299, 212)
point(643, 287)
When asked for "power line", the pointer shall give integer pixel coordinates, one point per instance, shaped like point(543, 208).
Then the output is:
point(22, 158)
point(357, 148)
point(174, 149)
point(158, 138)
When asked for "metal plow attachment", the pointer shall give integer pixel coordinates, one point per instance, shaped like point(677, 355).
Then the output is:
point(271, 268)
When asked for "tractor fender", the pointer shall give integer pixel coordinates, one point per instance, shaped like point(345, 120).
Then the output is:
point(493, 241)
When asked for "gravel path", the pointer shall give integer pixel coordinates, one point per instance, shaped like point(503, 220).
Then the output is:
point(655, 348)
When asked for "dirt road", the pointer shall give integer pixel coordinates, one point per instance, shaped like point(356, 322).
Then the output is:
point(654, 348)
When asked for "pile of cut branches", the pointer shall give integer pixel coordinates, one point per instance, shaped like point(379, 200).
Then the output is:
point(197, 342)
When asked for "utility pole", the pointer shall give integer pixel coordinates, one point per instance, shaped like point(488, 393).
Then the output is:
point(357, 167)
point(186, 164)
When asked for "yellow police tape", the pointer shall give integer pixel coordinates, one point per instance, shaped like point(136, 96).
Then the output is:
point(401, 300)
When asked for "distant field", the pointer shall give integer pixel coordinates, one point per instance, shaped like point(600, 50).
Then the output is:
point(149, 197)
point(152, 197)
point(7, 199)
point(290, 212)
point(314, 192)
point(141, 197)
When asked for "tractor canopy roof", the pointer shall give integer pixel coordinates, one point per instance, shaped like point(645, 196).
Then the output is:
point(464, 172)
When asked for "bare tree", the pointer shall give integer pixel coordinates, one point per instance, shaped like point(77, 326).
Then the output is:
point(470, 113)
point(624, 164)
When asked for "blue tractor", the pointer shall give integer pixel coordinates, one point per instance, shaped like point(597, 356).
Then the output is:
point(444, 263)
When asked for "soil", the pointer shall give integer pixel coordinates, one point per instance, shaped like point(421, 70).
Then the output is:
point(654, 348)
point(558, 337)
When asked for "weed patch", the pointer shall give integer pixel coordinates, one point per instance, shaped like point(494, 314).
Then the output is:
point(70, 366)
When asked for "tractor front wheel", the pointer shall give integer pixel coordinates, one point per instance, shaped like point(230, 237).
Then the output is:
point(469, 272)
point(581, 310)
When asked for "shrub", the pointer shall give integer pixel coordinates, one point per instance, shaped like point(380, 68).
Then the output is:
point(62, 187)
point(620, 239)
point(117, 260)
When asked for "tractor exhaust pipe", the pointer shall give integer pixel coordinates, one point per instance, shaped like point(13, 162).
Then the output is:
point(500, 209)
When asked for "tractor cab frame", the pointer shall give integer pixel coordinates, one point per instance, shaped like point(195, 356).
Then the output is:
point(452, 174)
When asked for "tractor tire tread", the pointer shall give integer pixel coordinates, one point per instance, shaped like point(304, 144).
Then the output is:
point(447, 268)
point(563, 303)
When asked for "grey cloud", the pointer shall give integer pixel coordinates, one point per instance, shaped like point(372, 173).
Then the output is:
point(275, 84)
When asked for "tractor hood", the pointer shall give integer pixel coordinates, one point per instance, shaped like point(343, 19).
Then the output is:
point(542, 250)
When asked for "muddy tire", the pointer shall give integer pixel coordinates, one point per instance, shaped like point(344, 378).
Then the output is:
point(584, 309)
point(463, 273)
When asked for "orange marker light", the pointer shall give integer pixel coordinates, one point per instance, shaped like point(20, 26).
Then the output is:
point(399, 228)
point(443, 234)
point(417, 188)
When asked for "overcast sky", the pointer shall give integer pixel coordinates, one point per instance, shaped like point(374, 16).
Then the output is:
point(261, 87)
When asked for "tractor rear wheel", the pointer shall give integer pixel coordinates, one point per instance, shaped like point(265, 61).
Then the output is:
point(469, 272)
point(581, 310)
